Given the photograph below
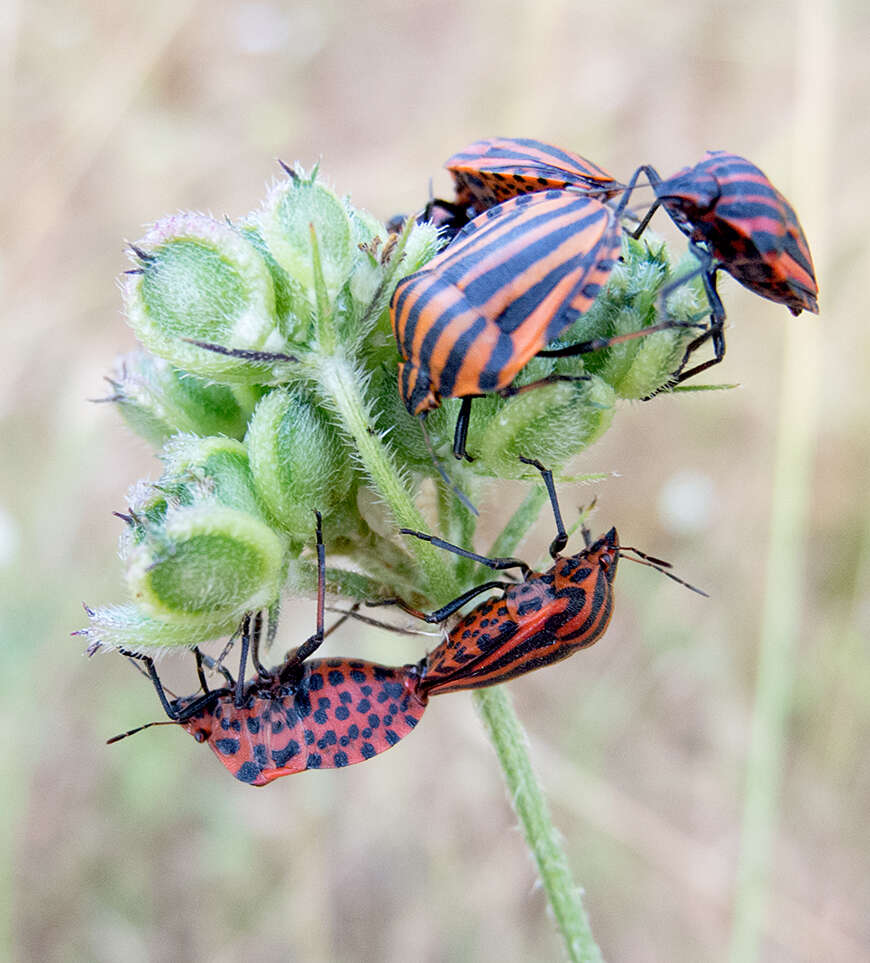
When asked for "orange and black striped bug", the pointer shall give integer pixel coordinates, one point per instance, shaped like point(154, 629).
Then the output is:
point(514, 279)
point(541, 620)
point(738, 222)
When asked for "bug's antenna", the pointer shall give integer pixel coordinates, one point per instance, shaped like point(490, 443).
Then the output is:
point(660, 565)
point(132, 732)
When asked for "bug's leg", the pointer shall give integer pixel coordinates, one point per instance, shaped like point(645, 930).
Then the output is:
point(561, 539)
point(552, 379)
point(239, 699)
point(168, 708)
point(466, 501)
point(256, 636)
point(216, 666)
point(313, 642)
point(497, 564)
point(263, 357)
point(447, 610)
point(460, 435)
point(654, 180)
point(716, 331)
point(200, 673)
point(597, 344)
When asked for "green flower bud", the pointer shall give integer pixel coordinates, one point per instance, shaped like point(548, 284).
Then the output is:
point(128, 627)
point(206, 563)
point(630, 302)
point(293, 207)
point(210, 469)
point(299, 461)
point(421, 245)
point(551, 423)
point(200, 279)
point(158, 400)
point(292, 308)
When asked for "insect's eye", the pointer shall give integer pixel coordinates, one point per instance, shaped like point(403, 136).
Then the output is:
point(200, 735)
point(606, 560)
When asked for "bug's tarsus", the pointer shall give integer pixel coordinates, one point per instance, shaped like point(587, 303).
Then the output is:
point(460, 434)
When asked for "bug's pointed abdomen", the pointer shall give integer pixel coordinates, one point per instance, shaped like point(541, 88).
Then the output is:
point(335, 713)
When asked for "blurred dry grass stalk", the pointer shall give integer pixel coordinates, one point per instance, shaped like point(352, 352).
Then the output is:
point(114, 115)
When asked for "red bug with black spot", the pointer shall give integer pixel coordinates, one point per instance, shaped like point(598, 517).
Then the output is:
point(738, 222)
point(491, 171)
point(495, 169)
point(306, 714)
point(514, 279)
point(543, 619)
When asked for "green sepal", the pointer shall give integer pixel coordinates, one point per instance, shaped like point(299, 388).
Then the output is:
point(200, 279)
point(128, 627)
point(292, 309)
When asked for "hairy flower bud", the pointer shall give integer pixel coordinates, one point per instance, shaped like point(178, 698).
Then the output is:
point(294, 208)
point(630, 302)
point(299, 461)
point(198, 278)
point(158, 400)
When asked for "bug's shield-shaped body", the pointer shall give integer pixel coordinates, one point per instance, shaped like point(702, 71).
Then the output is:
point(493, 170)
point(513, 280)
point(326, 714)
point(542, 620)
point(729, 204)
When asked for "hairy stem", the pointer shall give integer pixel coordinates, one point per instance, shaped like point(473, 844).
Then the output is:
point(509, 741)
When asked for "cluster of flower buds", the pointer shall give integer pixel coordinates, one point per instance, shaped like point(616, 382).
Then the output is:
point(269, 383)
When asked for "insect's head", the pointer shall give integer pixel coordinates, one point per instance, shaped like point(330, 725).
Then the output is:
point(604, 552)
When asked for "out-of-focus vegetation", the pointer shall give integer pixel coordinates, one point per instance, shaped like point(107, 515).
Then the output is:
point(148, 850)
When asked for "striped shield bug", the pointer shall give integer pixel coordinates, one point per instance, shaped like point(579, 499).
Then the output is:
point(738, 222)
point(305, 714)
point(543, 619)
point(514, 279)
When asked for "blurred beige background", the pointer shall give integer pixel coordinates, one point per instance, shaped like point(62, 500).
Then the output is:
point(114, 114)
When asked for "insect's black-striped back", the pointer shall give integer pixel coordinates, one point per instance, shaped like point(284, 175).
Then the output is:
point(512, 281)
point(750, 228)
point(542, 620)
point(493, 170)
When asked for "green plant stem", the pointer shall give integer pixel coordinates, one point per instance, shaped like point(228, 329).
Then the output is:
point(509, 740)
point(337, 378)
